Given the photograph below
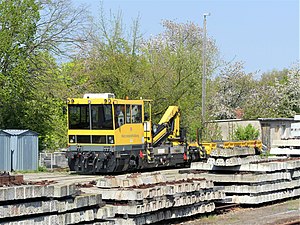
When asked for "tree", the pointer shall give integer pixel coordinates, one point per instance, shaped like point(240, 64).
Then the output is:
point(31, 33)
point(175, 75)
point(165, 68)
point(233, 89)
point(269, 78)
point(290, 92)
point(62, 29)
point(275, 95)
point(112, 62)
point(18, 27)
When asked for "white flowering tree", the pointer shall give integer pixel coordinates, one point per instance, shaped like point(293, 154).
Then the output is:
point(233, 87)
point(289, 89)
point(275, 94)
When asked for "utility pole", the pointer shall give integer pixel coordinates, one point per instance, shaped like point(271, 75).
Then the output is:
point(204, 69)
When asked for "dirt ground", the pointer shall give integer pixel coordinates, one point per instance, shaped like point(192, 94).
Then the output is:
point(264, 215)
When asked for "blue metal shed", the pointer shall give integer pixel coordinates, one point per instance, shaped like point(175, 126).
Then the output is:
point(23, 150)
point(5, 153)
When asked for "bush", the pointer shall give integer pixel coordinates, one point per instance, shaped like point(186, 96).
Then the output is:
point(246, 133)
point(42, 169)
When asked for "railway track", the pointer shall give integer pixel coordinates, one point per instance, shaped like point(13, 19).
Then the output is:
point(225, 208)
point(294, 222)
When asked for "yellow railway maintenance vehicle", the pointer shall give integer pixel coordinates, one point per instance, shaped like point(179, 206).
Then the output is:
point(109, 135)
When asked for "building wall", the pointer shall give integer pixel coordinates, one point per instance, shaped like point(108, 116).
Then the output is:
point(270, 130)
point(227, 127)
point(26, 152)
point(295, 130)
point(5, 153)
point(280, 130)
point(18, 150)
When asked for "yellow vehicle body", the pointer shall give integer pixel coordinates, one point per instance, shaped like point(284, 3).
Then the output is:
point(128, 132)
point(108, 135)
point(209, 146)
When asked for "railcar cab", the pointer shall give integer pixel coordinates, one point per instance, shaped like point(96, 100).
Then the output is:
point(102, 129)
point(100, 119)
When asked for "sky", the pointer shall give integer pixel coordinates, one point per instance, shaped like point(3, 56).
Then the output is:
point(264, 34)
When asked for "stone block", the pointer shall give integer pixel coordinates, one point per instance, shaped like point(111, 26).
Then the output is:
point(37, 191)
point(8, 193)
point(19, 192)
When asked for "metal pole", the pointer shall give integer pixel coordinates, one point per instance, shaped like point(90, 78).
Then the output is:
point(51, 166)
point(40, 161)
point(204, 69)
point(12, 160)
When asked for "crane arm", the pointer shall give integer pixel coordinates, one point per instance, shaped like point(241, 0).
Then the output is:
point(168, 126)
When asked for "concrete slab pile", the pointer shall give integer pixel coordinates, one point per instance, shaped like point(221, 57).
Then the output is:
point(232, 161)
point(257, 182)
point(36, 191)
point(87, 216)
point(232, 156)
point(231, 152)
point(49, 204)
point(261, 165)
point(172, 213)
point(142, 192)
point(145, 198)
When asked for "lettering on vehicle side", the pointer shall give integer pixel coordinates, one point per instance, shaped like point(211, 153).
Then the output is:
point(130, 136)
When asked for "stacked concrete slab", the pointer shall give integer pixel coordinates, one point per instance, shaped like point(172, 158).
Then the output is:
point(151, 197)
point(255, 181)
point(45, 203)
point(232, 156)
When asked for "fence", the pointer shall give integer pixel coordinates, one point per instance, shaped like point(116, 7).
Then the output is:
point(53, 160)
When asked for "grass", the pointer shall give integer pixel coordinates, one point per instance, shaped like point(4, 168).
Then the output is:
point(41, 169)
point(293, 208)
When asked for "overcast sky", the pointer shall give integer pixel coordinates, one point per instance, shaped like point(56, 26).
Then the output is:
point(264, 34)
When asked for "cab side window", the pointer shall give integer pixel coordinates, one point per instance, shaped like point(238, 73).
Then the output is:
point(119, 115)
point(136, 113)
point(128, 116)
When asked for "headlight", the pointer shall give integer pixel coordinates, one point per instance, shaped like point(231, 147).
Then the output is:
point(110, 139)
point(72, 138)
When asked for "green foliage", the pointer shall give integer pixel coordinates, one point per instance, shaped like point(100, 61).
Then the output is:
point(165, 68)
point(42, 169)
point(32, 86)
point(246, 133)
point(275, 95)
point(18, 27)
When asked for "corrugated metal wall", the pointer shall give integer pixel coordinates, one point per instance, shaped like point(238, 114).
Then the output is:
point(26, 153)
point(5, 153)
point(22, 146)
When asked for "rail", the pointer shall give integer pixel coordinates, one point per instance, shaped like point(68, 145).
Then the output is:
point(294, 222)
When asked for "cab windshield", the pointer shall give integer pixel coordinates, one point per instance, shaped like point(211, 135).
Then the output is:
point(101, 117)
